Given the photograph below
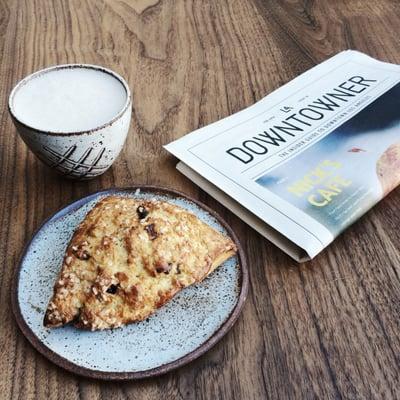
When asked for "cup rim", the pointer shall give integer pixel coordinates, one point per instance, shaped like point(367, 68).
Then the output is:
point(27, 78)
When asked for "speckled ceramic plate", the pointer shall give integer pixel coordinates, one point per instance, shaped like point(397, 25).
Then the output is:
point(182, 330)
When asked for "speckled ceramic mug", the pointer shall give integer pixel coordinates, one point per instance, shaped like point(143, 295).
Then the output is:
point(75, 153)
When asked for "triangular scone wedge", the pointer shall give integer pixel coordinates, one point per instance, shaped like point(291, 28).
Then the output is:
point(165, 250)
point(81, 264)
point(140, 254)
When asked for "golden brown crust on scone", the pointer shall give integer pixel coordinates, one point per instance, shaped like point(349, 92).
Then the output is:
point(77, 273)
point(128, 258)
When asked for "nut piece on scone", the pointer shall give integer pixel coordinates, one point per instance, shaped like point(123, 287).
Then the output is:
point(129, 257)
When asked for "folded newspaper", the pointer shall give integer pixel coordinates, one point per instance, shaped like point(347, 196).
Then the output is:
point(309, 159)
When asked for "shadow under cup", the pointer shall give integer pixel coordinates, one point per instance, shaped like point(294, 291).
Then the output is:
point(73, 117)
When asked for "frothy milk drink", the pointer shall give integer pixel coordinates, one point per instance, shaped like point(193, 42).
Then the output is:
point(69, 100)
point(74, 117)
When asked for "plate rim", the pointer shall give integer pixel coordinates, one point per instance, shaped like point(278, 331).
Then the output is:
point(130, 375)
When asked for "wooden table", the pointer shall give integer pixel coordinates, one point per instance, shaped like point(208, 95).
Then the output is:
point(325, 329)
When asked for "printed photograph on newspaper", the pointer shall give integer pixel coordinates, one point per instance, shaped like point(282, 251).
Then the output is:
point(339, 178)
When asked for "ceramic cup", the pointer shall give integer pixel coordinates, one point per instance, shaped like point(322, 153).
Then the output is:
point(82, 154)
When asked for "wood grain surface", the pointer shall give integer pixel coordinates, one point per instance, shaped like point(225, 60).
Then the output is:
point(327, 329)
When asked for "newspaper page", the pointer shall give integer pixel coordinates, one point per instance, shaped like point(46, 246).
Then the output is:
point(309, 159)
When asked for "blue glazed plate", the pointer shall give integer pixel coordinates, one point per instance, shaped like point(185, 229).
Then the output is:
point(186, 327)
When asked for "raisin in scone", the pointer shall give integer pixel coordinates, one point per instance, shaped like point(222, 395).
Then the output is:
point(129, 257)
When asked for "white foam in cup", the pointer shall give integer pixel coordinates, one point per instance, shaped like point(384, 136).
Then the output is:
point(74, 117)
point(69, 99)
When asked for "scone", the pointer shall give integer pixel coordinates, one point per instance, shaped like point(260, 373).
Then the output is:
point(127, 258)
